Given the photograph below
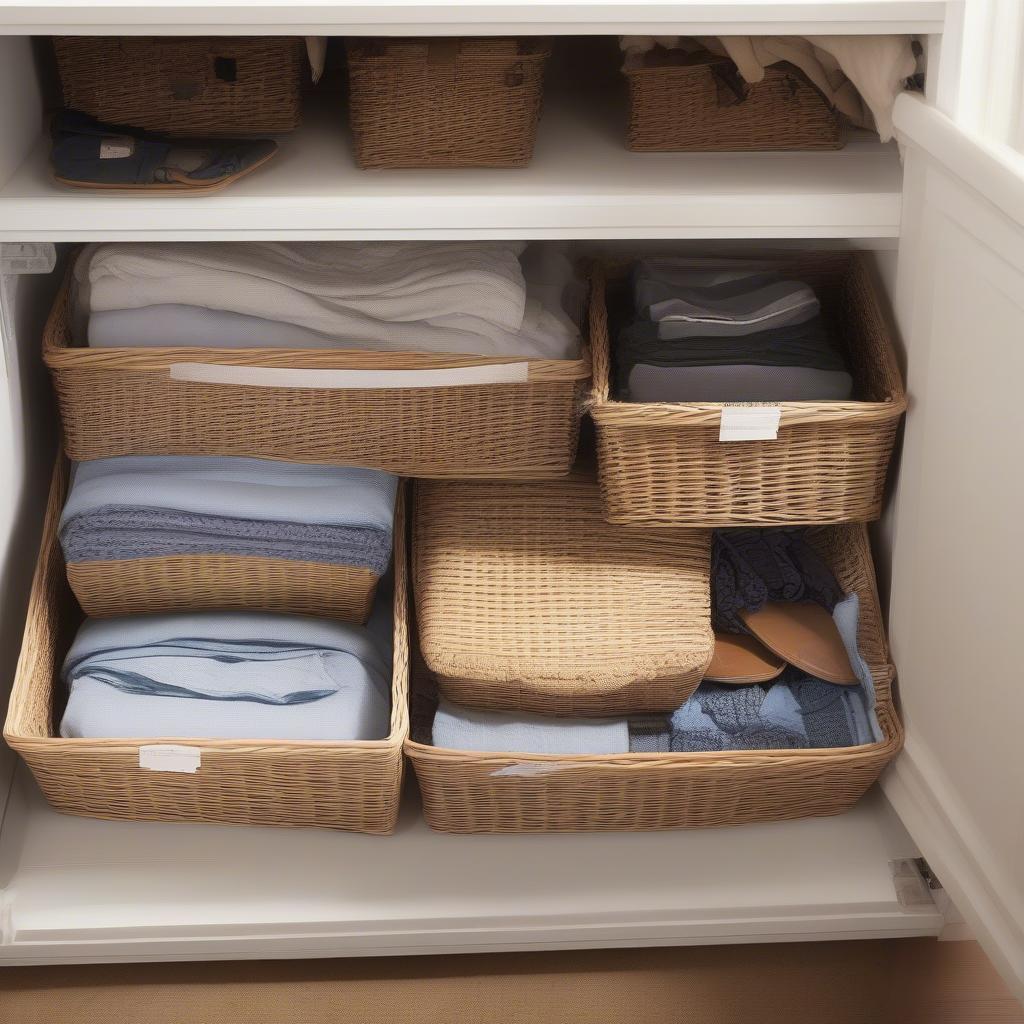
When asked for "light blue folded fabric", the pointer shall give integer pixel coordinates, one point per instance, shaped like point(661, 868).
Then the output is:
point(259, 489)
point(229, 675)
point(462, 728)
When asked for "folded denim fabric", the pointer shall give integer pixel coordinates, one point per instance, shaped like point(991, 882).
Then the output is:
point(736, 383)
point(228, 675)
point(462, 728)
point(123, 533)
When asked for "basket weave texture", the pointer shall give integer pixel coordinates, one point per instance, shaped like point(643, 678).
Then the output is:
point(230, 582)
point(526, 599)
point(662, 464)
point(445, 102)
point(207, 85)
point(352, 786)
point(467, 791)
point(122, 401)
point(680, 107)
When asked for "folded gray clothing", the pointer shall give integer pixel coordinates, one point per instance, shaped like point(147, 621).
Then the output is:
point(736, 383)
point(731, 308)
point(228, 675)
point(833, 716)
point(122, 533)
point(807, 344)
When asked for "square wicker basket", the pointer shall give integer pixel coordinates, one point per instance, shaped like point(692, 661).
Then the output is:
point(527, 599)
point(185, 85)
point(513, 418)
point(678, 104)
point(662, 464)
point(465, 791)
point(354, 785)
point(445, 102)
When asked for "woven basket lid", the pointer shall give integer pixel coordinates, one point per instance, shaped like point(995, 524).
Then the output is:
point(527, 598)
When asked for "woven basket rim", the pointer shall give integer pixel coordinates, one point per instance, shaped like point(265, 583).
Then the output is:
point(359, 49)
point(24, 679)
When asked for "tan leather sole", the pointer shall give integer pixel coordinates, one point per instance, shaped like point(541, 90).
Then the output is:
point(739, 659)
point(178, 188)
point(804, 634)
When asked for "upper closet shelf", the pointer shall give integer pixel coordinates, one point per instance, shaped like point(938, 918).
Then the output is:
point(469, 17)
point(87, 890)
point(582, 183)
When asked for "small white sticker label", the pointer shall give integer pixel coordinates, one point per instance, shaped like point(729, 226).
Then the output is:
point(169, 757)
point(116, 147)
point(749, 423)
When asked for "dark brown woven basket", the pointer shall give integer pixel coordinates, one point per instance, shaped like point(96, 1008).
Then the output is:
point(445, 102)
point(189, 85)
point(678, 104)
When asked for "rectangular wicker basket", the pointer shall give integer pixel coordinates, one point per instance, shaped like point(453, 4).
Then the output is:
point(352, 786)
point(445, 102)
point(185, 85)
point(523, 422)
point(466, 791)
point(663, 465)
point(679, 105)
point(526, 599)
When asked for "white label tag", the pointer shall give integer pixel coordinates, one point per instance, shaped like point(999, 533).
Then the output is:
point(169, 757)
point(749, 423)
point(116, 147)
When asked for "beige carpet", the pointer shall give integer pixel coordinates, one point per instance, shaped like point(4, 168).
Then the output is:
point(917, 981)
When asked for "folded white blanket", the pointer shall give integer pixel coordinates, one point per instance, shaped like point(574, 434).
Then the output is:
point(468, 298)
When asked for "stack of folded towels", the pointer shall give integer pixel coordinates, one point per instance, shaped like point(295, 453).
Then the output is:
point(226, 675)
point(794, 710)
point(480, 298)
point(153, 506)
point(729, 332)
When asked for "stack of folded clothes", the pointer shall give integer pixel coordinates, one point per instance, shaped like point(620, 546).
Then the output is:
point(162, 505)
point(728, 332)
point(225, 675)
point(786, 673)
point(481, 298)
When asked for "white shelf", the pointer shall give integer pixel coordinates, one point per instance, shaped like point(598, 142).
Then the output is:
point(582, 183)
point(464, 17)
point(85, 890)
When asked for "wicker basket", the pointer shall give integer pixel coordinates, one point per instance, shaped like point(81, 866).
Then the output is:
point(334, 785)
point(526, 599)
point(663, 464)
point(445, 102)
point(209, 85)
point(467, 791)
point(680, 105)
point(131, 401)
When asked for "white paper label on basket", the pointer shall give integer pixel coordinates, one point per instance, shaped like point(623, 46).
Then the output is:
point(116, 147)
point(530, 769)
point(287, 377)
point(169, 757)
point(749, 423)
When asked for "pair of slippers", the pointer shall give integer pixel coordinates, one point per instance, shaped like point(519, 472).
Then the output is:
point(799, 633)
point(87, 153)
point(772, 596)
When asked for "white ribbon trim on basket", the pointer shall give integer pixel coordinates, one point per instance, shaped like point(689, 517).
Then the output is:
point(287, 377)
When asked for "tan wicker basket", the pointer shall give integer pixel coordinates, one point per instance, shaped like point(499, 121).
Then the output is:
point(185, 85)
point(445, 102)
point(260, 782)
point(123, 401)
point(467, 791)
point(228, 582)
point(677, 105)
point(663, 464)
point(526, 599)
